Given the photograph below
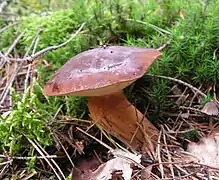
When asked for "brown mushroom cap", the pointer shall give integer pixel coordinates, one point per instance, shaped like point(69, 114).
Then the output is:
point(101, 71)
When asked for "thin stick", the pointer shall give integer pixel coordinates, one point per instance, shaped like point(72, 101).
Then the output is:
point(11, 48)
point(127, 158)
point(27, 158)
point(30, 176)
point(27, 78)
point(52, 48)
point(4, 170)
point(32, 43)
point(14, 44)
point(31, 58)
point(69, 141)
point(168, 153)
point(148, 141)
point(6, 27)
point(51, 159)
point(7, 162)
point(181, 169)
point(69, 158)
point(136, 130)
point(36, 42)
point(7, 88)
point(30, 65)
point(156, 28)
point(159, 156)
point(102, 143)
point(192, 109)
point(4, 57)
point(179, 81)
point(98, 158)
point(164, 45)
point(89, 127)
point(42, 154)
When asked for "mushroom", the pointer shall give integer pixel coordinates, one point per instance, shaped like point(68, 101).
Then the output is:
point(101, 74)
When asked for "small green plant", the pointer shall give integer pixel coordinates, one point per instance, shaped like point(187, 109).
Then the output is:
point(27, 119)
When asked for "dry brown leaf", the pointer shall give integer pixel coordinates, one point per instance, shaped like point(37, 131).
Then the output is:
point(211, 108)
point(121, 162)
point(206, 151)
point(105, 170)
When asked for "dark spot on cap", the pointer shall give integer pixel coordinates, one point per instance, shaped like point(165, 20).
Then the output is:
point(55, 87)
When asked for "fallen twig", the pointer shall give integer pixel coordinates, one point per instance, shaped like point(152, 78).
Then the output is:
point(164, 45)
point(52, 48)
point(30, 175)
point(27, 158)
point(11, 48)
point(7, 162)
point(168, 153)
point(192, 109)
point(159, 156)
point(56, 165)
point(6, 27)
point(31, 58)
point(35, 42)
point(69, 158)
point(44, 157)
point(179, 81)
point(156, 28)
point(102, 143)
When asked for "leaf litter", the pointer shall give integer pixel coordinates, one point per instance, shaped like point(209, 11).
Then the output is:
point(206, 151)
point(122, 161)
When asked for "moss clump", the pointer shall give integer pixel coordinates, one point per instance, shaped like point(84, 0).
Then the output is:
point(27, 120)
point(190, 55)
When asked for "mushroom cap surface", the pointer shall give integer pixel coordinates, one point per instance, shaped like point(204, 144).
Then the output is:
point(101, 71)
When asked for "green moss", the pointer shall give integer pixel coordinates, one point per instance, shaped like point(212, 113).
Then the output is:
point(27, 119)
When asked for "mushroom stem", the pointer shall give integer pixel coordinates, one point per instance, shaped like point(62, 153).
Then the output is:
point(120, 118)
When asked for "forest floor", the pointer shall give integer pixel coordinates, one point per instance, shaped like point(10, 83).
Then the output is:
point(55, 138)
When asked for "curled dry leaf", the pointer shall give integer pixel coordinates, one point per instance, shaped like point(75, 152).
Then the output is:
point(206, 151)
point(105, 170)
point(121, 162)
point(211, 108)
